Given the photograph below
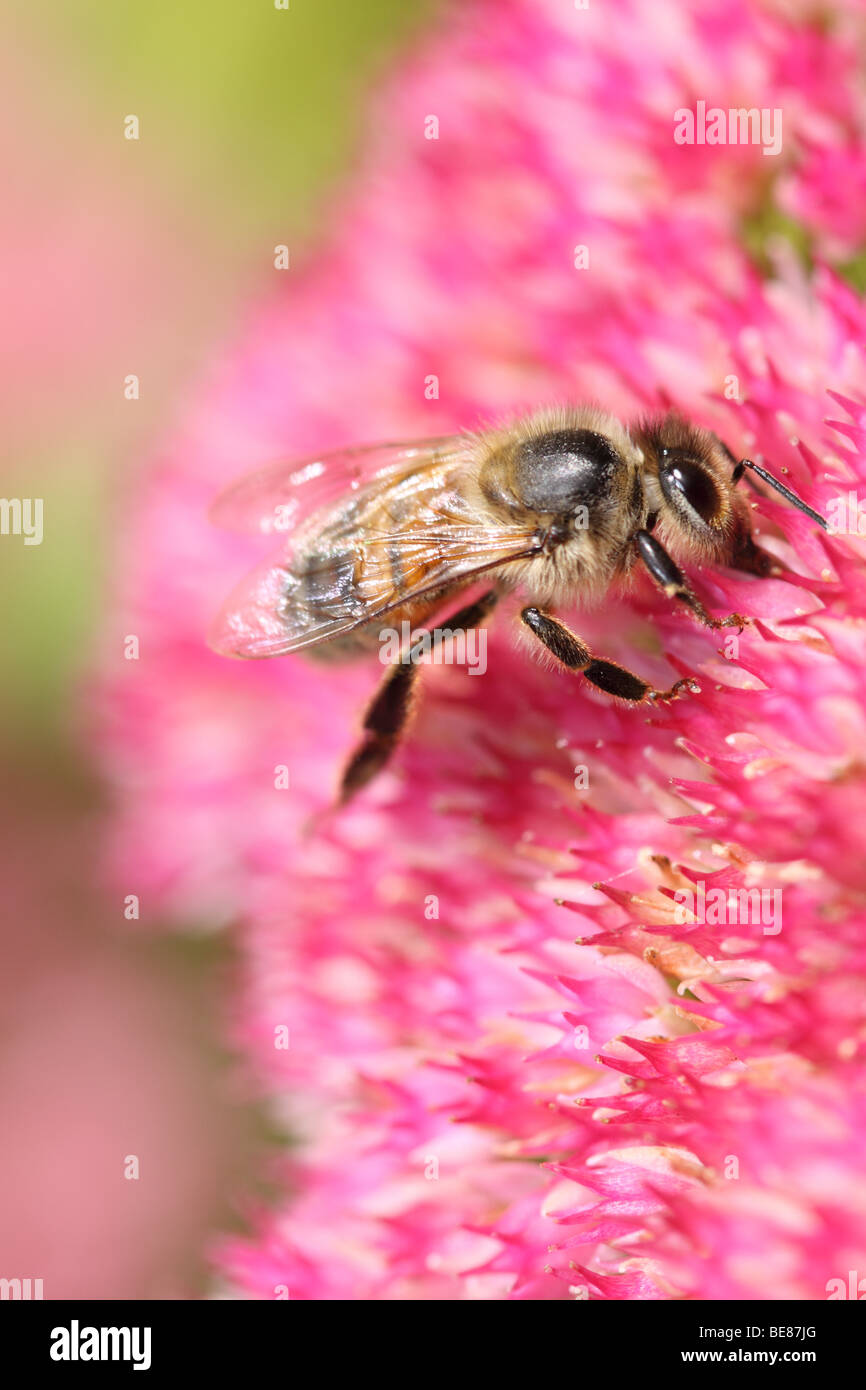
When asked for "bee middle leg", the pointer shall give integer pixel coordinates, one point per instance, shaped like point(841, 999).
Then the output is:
point(390, 707)
point(568, 649)
point(673, 582)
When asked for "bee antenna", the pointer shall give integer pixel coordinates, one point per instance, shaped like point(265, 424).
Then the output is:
point(780, 487)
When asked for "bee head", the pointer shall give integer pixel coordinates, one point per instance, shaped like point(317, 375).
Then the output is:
point(691, 489)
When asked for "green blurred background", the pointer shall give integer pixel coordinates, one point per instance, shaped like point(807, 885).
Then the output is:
point(128, 257)
point(150, 249)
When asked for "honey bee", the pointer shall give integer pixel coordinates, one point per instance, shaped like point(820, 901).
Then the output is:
point(561, 507)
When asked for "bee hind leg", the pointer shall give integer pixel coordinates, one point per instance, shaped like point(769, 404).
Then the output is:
point(388, 713)
point(572, 653)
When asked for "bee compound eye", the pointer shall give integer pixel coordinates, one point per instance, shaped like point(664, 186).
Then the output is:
point(683, 480)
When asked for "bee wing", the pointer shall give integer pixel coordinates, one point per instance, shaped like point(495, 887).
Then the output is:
point(269, 613)
point(265, 616)
point(280, 498)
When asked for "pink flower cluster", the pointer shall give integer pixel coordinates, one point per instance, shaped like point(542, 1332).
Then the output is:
point(513, 1069)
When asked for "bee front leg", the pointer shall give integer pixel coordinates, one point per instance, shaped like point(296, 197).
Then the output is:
point(671, 579)
point(389, 710)
point(568, 649)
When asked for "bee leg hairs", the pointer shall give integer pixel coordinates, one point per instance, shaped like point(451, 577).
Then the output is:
point(568, 649)
point(389, 710)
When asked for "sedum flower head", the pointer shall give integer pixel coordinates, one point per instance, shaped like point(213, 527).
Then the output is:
point(541, 1041)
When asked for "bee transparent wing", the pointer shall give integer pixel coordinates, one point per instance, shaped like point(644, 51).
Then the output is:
point(281, 498)
point(266, 616)
point(271, 613)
